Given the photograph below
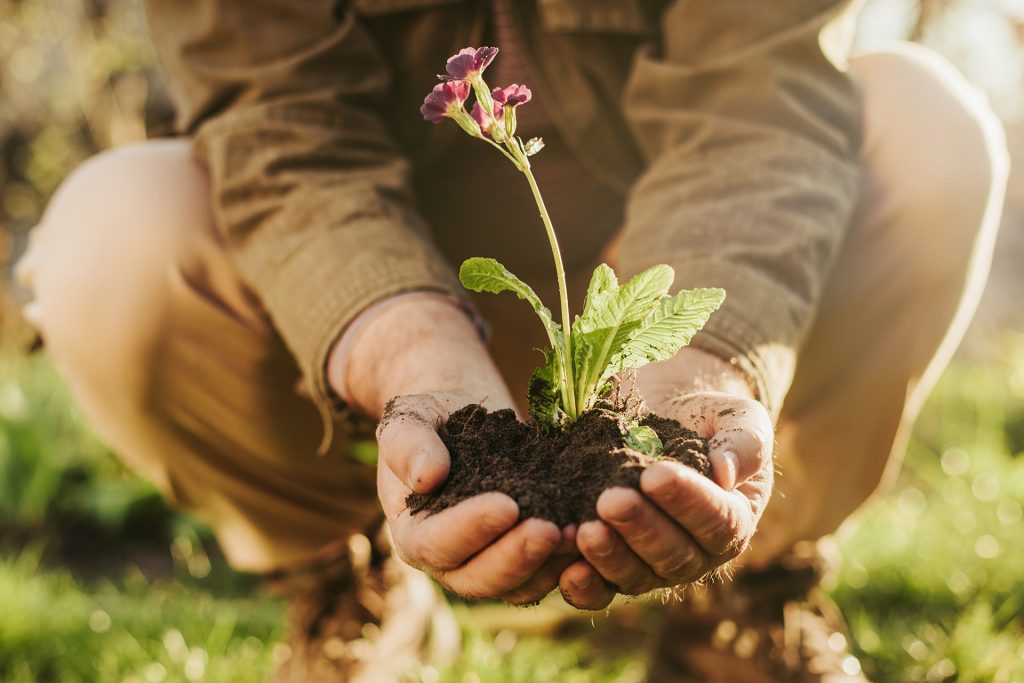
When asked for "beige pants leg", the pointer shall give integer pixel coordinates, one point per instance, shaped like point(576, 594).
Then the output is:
point(905, 286)
point(175, 365)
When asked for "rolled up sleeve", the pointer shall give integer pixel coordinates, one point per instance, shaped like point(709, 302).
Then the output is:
point(308, 187)
point(750, 130)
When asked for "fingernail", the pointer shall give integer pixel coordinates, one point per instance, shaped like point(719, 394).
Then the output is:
point(536, 548)
point(731, 466)
point(420, 465)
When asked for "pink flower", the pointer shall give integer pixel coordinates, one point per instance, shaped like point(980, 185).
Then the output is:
point(469, 63)
point(512, 96)
point(445, 100)
point(485, 120)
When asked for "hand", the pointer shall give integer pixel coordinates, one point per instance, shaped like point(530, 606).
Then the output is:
point(681, 525)
point(428, 355)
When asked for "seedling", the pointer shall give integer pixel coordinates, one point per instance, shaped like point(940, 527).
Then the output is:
point(621, 327)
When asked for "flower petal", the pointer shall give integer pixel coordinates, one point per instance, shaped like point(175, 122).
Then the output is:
point(513, 95)
point(444, 100)
point(469, 63)
point(484, 57)
point(483, 118)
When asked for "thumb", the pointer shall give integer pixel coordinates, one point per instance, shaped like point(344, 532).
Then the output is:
point(742, 441)
point(409, 444)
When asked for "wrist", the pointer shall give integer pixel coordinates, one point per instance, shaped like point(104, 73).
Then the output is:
point(690, 371)
point(419, 345)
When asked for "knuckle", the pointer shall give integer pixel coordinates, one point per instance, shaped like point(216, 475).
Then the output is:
point(631, 579)
point(642, 533)
point(423, 409)
point(619, 575)
point(758, 442)
point(680, 566)
point(761, 428)
point(700, 567)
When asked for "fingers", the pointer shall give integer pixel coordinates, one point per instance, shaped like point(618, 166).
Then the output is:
point(742, 443)
point(614, 560)
point(546, 578)
point(409, 443)
point(721, 522)
point(507, 563)
point(655, 538)
point(445, 540)
point(582, 587)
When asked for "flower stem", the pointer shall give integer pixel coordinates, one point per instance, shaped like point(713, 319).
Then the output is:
point(501, 149)
point(568, 390)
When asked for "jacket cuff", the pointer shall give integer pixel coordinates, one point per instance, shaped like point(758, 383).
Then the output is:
point(324, 285)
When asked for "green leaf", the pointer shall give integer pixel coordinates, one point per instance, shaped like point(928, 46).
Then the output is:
point(611, 313)
point(644, 440)
point(542, 395)
point(547, 389)
point(668, 328)
point(487, 275)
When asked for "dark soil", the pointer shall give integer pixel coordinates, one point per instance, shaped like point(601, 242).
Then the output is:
point(552, 474)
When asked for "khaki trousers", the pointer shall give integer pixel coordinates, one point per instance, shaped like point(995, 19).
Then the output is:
point(177, 367)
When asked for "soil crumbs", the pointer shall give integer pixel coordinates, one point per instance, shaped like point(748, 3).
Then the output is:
point(555, 475)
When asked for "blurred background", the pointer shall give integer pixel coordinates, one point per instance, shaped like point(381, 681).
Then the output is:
point(99, 581)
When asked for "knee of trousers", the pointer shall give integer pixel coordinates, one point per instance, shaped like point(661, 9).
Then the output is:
point(102, 260)
point(933, 140)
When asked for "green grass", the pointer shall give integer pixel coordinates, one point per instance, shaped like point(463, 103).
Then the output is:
point(931, 582)
point(56, 629)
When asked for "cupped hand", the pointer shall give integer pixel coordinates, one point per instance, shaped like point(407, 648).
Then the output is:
point(418, 358)
point(681, 525)
point(477, 548)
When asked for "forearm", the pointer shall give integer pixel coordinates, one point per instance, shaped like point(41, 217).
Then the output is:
point(419, 346)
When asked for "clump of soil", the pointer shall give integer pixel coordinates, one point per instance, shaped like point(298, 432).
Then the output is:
point(555, 475)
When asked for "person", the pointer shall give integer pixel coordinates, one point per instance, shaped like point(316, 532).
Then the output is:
point(227, 305)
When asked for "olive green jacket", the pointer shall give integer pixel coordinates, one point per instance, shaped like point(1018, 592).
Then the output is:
point(728, 126)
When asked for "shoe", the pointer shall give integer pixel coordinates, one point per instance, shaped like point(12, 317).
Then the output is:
point(770, 626)
point(360, 615)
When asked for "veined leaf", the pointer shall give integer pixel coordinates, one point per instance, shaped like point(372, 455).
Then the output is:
point(547, 387)
point(487, 275)
point(611, 313)
point(668, 328)
point(603, 284)
point(645, 440)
